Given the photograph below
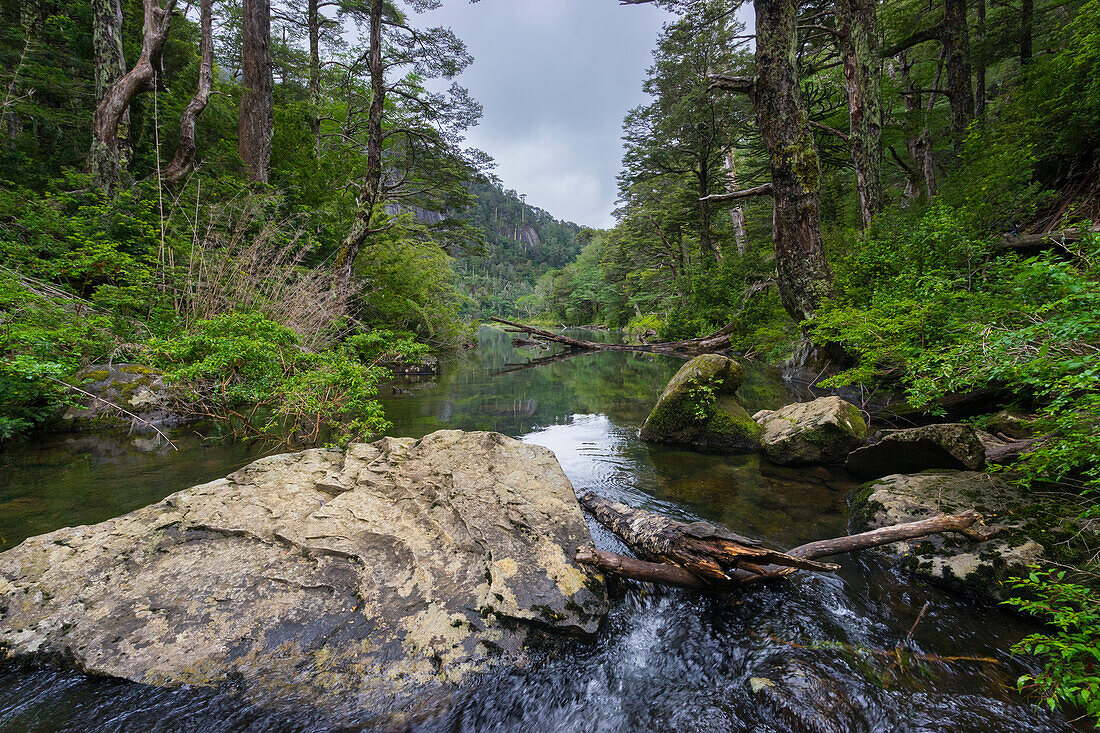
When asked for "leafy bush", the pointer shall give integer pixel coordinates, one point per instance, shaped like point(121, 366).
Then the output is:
point(244, 359)
point(1071, 655)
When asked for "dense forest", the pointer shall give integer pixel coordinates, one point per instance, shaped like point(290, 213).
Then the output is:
point(273, 201)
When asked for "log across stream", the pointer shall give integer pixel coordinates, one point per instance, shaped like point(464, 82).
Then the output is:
point(708, 557)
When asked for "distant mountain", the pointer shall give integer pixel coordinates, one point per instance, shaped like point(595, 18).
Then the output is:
point(523, 242)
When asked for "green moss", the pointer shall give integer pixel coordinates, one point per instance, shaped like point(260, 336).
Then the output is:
point(139, 369)
point(95, 375)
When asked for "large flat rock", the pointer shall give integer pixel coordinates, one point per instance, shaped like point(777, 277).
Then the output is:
point(354, 580)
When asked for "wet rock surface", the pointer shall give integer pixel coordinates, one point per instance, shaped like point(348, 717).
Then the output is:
point(698, 409)
point(824, 430)
point(1026, 527)
point(137, 389)
point(942, 446)
point(360, 580)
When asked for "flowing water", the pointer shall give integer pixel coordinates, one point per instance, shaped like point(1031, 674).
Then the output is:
point(819, 649)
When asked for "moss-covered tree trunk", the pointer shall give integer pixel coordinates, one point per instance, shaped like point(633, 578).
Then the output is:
point(105, 160)
point(861, 52)
point(804, 277)
point(110, 64)
point(370, 192)
point(956, 48)
point(256, 120)
point(184, 159)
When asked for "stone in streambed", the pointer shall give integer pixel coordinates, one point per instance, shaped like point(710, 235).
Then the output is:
point(825, 430)
point(1027, 528)
point(359, 582)
point(698, 409)
point(140, 390)
point(945, 446)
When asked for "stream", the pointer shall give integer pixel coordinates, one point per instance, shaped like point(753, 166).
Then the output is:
point(817, 648)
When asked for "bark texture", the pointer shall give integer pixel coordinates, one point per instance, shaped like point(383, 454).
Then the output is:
point(370, 193)
point(110, 63)
point(956, 48)
point(861, 53)
point(804, 276)
point(184, 159)
point(105, 159)
point(704, 556)
point(256, 120)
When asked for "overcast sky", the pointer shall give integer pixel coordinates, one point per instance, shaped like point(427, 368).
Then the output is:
point(555, 78)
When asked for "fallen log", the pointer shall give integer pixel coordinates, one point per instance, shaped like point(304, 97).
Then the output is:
point(1057, 238)
point(705, 556)
point(717, 341)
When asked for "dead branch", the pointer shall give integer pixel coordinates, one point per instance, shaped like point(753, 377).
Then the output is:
point(705, 556)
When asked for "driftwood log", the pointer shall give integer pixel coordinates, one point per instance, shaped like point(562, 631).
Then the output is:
point(708, 557)
point(717, 341)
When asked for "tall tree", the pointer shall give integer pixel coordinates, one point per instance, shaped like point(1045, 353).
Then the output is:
point(857, 24)
point(804, 276)
point(105, 159)
point(424, 128)
point(256, 121)
point(686, 132)
point(184, 159)
point(110, 62)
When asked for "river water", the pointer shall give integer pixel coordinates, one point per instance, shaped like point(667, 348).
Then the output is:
point(819, 649)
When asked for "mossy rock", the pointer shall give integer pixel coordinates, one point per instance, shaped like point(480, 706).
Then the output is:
point(112, 388)
point(824, 430)
point(698, 409)
point(954, 446)
point(1028, 528)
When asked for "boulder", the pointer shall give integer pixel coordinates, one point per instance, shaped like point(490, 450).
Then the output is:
point(698, 409)
point(825, 430)
point(359, 582)
point(947, 446)
point(1012, 425)
point(137, 389)
point(1027, 527)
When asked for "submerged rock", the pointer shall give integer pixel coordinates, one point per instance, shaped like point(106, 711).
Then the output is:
point(698, 409)
point(825, 430)
point(946, 446)
point(138, 389)
point(353, 580)
point(1028, 527)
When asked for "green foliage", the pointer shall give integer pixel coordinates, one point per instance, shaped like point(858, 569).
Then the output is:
point(1070, 655)
point(244, 359)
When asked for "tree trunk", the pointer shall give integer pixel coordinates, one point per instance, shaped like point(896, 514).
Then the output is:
point(370, 193)
point(184, 159)
point(737, 213)
point(256, 120)
point(805, 278)
point(313, 21)
point(956, 47)
point(110, 64)
point(979, 94)
point(861, 51)
point(1027, 13)
point(705, 556)
point(105, 162)
point(706, 236)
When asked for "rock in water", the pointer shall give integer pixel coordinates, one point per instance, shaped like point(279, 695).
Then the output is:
point(1028, 527)
point(825, 430)
point(355, 581)
point(948, 446)
point(698, 409)
point(140, 390)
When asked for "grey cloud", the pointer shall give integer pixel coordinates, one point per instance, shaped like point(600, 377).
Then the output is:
point(555, 78)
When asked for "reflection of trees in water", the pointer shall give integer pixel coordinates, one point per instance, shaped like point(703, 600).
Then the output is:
point(493, 389)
